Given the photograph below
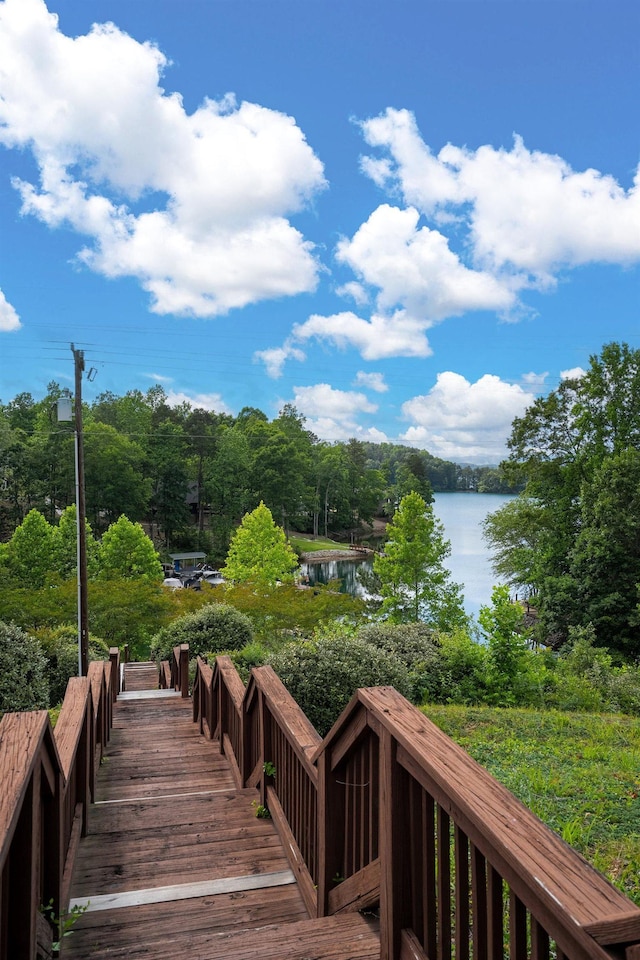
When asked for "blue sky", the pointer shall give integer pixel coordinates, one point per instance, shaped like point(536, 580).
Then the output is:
point(407, 218)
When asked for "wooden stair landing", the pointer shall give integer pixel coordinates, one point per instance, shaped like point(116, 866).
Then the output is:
point(176, 864)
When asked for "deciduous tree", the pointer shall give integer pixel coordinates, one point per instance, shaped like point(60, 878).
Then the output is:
point(259, 551)
point(414, 582)
point(126, 551)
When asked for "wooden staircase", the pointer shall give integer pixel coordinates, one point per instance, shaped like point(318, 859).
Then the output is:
point(176, 864)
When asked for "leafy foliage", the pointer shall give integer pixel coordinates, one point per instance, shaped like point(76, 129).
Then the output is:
point(65, 540)
point(573, 536)
point(215, 628)
point(414, 583)
point(60, 647)
point(127, 552)
point(259, 552)
point(577, 772)
point(322, 676)
point(30, 554)
point(417, 647)
point(509, 667)
point(23, 671)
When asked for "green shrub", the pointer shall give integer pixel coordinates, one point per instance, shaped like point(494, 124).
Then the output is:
point(322, 676)
point(60, 647)
point(253, 655)
point(463, 669)
point(416, 645)
point(215, 628)
point(23, 671)
point(584, 677)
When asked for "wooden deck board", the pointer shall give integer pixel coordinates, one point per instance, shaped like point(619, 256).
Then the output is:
point(141, 676)
point(348, 937)
point(169, 814)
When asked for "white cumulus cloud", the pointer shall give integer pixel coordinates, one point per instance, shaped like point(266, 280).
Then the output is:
point(198, 401)
point(9, 319)
point(413, 268)
point(575, 373)
point(528, 214)
point(274, 358)
point(382, 336)
point(195, 206)
point(372, 381)
point(464, 421)
point(333, 414)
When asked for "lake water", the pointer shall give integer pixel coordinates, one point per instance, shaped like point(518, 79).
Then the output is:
point(462, 515)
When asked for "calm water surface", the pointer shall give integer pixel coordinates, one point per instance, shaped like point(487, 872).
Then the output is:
point(462, 515)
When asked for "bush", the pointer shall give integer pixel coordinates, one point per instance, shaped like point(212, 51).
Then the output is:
point(584, 677)
point(23, 671)
point(322, 676)
point(60, 647)
point(215, 628)
point(253, 655)
point(463, 670)
point(416, 645)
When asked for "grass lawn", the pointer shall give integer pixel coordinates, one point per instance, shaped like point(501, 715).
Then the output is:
point(307, 544)
point(580, 773)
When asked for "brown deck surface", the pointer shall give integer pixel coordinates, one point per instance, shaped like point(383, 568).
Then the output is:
point(140, 676)
point(168, 816)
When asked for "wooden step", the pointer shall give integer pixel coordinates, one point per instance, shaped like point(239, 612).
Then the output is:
point(345, 937)
point(140, 676)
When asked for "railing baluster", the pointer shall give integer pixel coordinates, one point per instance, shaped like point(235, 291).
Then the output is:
point(444, 885)
point(517, 928)
point(430, 911)
point(495, 915)
point(479, 904)
point(461, 858)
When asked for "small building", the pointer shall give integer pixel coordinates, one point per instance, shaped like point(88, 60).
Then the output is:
point(182, 561)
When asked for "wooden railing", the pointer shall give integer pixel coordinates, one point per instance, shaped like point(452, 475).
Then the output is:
point(388, 812)
point(48, 779)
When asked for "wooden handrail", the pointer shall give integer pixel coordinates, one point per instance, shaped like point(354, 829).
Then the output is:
point(47, 781)
point(388, 810)
point(180, 669)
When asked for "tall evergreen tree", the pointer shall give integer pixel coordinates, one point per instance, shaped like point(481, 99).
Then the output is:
point(414, 583)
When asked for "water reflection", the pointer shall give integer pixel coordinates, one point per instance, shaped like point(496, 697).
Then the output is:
point(346, 571)
point(462, 515)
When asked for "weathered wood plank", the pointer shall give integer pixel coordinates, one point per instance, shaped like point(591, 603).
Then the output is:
point(182, 891)
point(144, 843)
point(349, 937)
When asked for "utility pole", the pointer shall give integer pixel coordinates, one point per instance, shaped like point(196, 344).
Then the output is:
point(83, 607)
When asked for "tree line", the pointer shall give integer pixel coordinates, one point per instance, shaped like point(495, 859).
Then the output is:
point(192, 474)
point(571, 540)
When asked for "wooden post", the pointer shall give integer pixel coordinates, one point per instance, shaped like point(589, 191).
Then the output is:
point(114, 659)
point(184, 669)
point(395, 850)
point(330, 831)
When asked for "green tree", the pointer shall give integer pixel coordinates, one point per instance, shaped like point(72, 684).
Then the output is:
point(31, 551)
point(514, 534)
point(562, 446)
point(168, 466)
point(227, 485)
point(259, 551)
point(114, 477)
point(65, 545)
point(605, 562)
point(414, 582)
point(127, 552)
point(503, 626)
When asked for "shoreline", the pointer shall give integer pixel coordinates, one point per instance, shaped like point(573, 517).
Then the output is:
point(321, 556)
